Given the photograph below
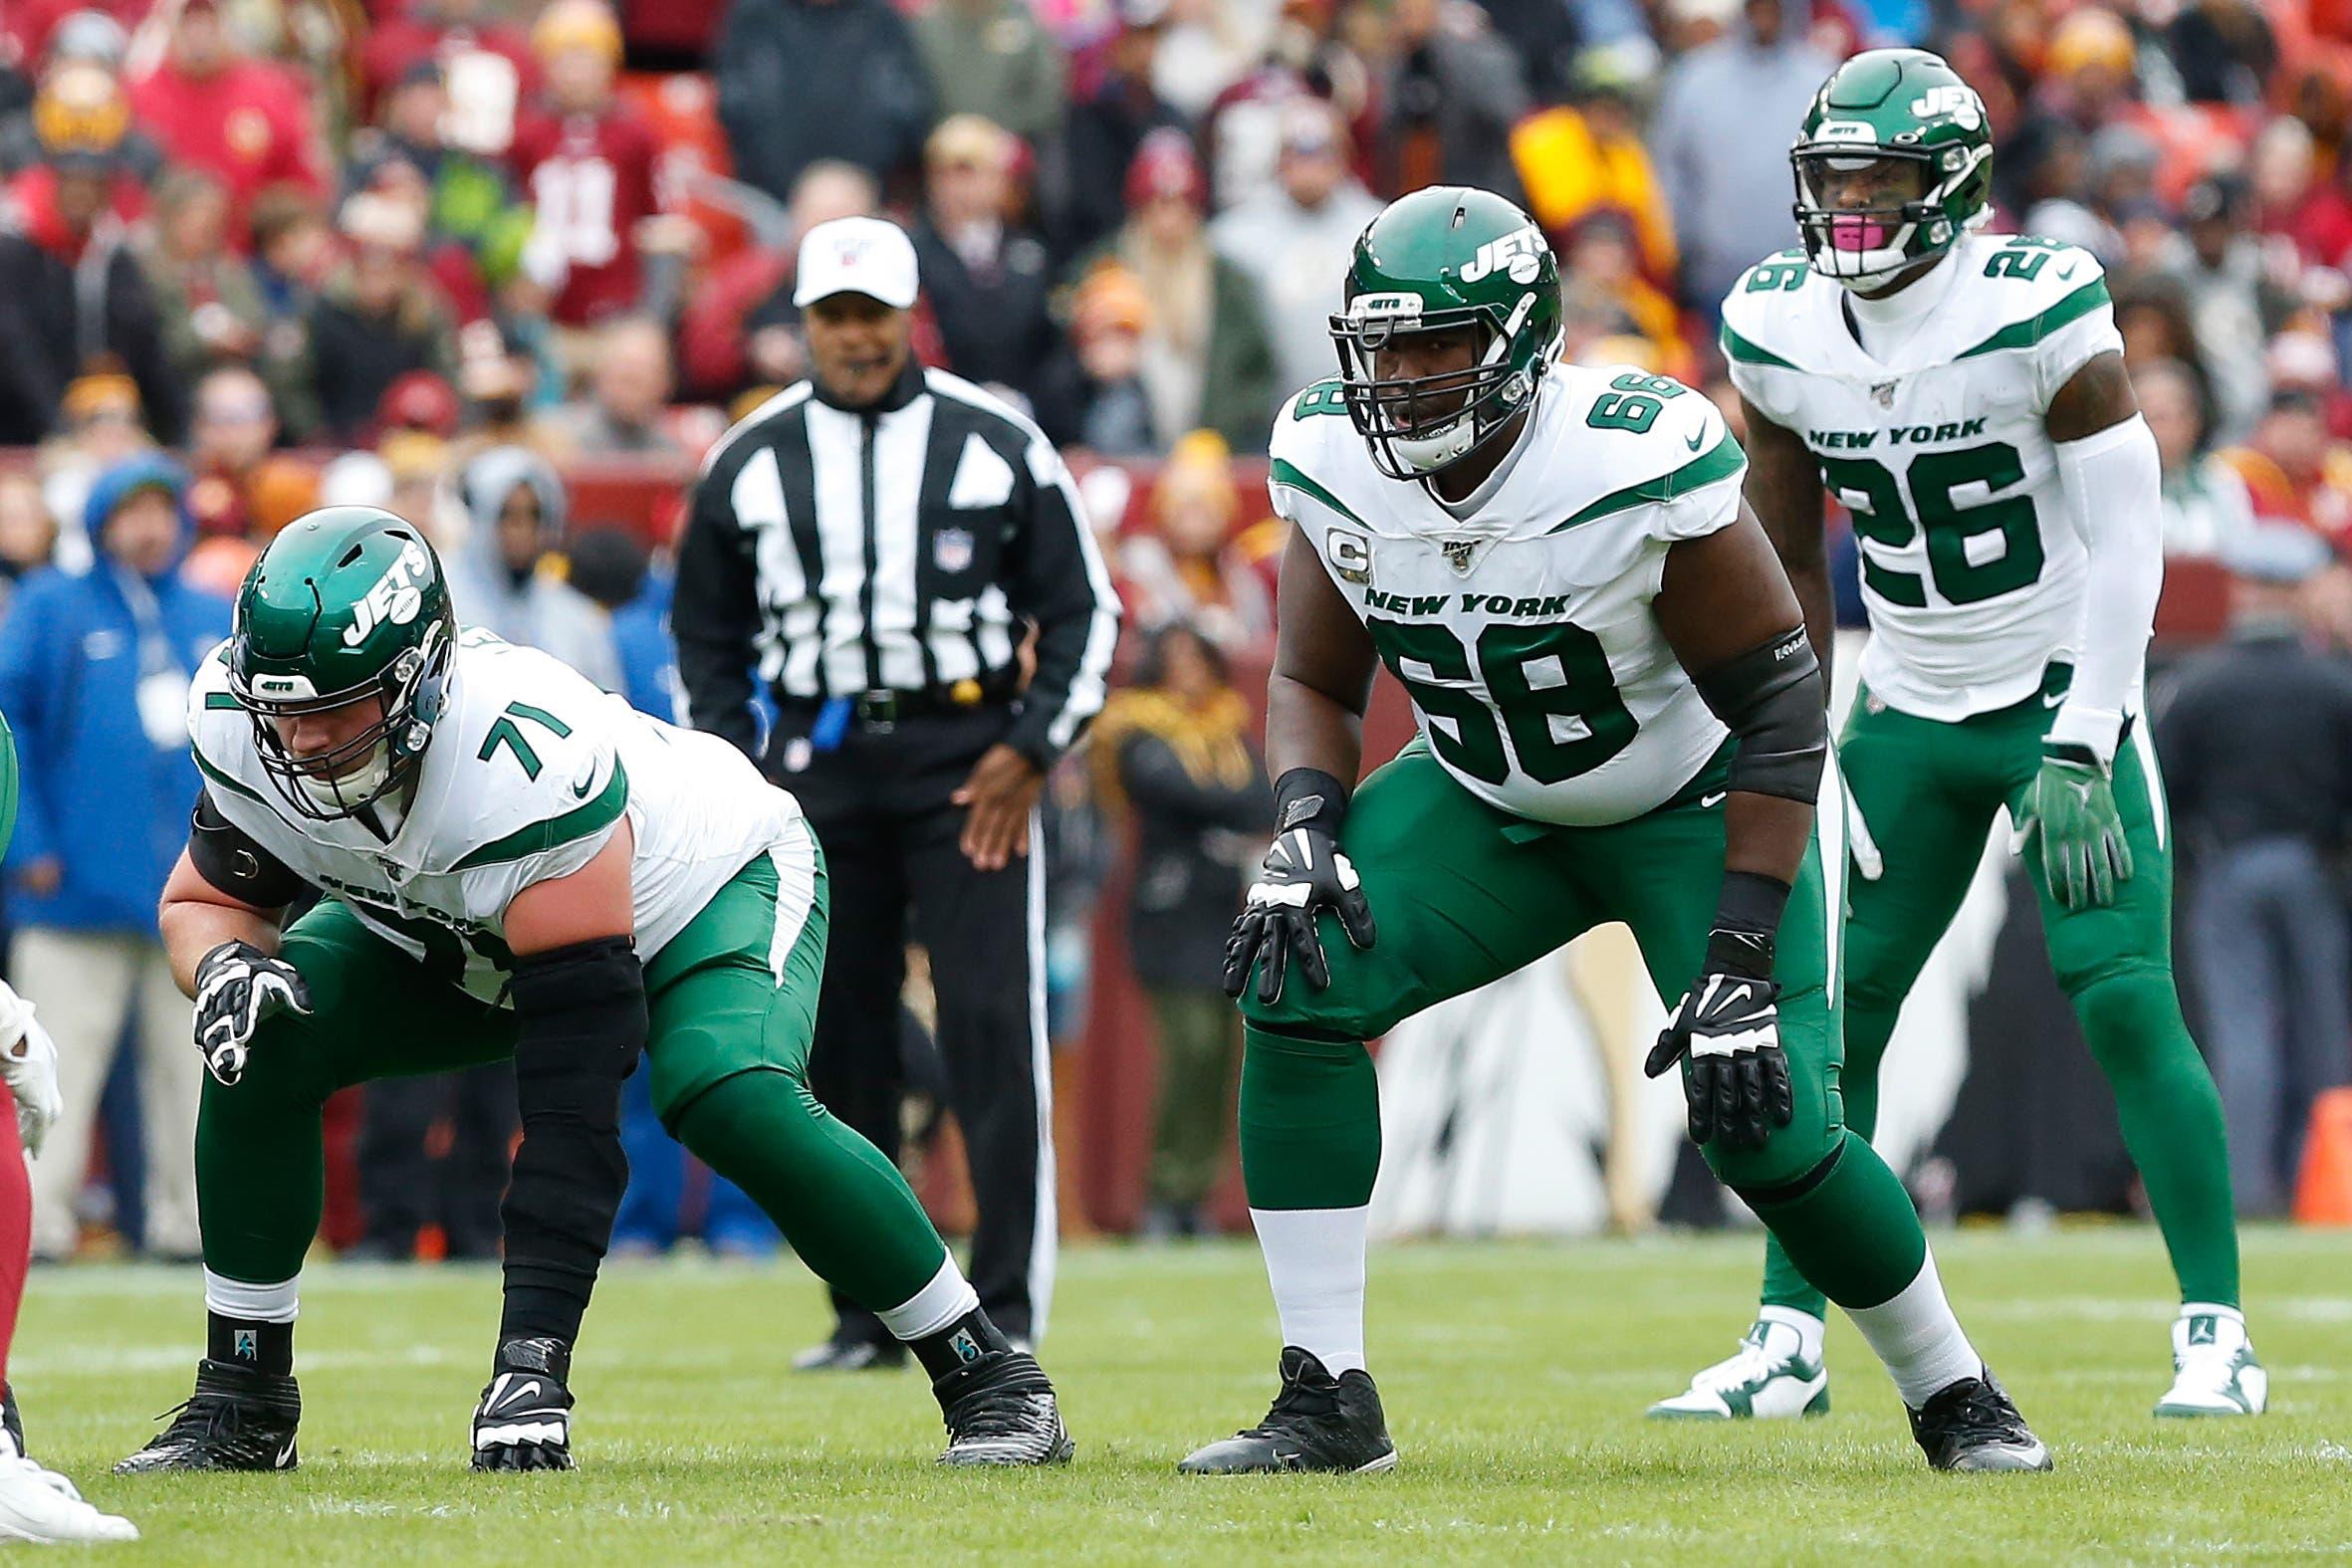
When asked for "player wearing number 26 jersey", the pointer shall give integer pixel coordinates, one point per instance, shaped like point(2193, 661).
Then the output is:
point(515, 864)
point(1620, 721)
point(1963, 396)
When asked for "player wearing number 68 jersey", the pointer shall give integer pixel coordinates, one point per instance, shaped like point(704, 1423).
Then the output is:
point(1963, 395)
point(512, 863)
point(1620, 721)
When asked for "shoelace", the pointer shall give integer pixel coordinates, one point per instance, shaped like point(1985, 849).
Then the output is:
point(1297, 1401)
point(1746, 1366)
point(208, 1415)
point(1977, 1412)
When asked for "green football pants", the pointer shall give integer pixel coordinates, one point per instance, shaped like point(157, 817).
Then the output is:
point(1927, 792)
point(733, 1001)
point(1465, 894)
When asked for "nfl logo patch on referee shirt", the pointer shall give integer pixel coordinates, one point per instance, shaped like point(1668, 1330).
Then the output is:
point(951, 549)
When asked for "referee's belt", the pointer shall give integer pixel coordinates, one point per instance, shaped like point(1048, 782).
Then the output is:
point(883, 709)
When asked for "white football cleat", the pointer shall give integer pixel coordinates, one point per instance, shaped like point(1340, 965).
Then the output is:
point(2215, 1372)
point(42, 1506)
point(1769, 1379)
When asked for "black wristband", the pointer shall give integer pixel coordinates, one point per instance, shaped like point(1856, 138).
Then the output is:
point(1305, 797)
point(1746, 921)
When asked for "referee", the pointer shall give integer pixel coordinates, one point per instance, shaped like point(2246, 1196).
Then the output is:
point(877, 542)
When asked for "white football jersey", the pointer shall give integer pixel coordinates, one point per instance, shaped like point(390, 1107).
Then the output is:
point(527, 771)
point(1972, 566)
point(1524, 632)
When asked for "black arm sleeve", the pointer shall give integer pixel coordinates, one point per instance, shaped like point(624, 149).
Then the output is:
point(1770, 697)
point(1059, 581)
point(716, 617)
point(224, 856)
point(581, 1023)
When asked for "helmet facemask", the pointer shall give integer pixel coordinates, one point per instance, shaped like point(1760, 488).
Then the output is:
point(1419, 426)
point(1903, 221)
point(339, 783)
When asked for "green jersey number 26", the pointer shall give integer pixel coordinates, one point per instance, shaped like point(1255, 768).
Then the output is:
point(1882, 516)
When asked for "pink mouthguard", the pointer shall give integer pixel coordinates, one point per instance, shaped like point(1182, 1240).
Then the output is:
point(1854, 232)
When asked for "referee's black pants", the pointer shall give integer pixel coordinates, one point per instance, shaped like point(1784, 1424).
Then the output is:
point(880, 804)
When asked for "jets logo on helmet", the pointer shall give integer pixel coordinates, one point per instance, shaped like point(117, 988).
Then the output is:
point(395, 597)
point(1893, 164)
point(1442, 260)
point(347, 605)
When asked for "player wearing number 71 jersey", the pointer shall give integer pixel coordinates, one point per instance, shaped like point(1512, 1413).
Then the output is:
point(1962, 394)
point(512, 863)
point(1621, 720)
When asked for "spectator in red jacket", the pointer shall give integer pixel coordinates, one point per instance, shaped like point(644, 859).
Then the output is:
point(250, 121)
point(587, 161)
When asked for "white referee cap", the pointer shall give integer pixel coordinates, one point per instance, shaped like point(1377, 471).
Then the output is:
point(868, 255)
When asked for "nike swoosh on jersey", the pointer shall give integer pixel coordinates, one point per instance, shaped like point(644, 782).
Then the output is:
point(2066, 271)
point(1710, 801)
point(1697, 436)
point(579, 790)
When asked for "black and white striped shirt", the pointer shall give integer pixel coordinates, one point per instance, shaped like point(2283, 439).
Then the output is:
point(899, 549)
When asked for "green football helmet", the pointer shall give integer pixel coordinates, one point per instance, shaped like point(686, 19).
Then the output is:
point(1442, 258)
point(348, 604)
point(1907, 107)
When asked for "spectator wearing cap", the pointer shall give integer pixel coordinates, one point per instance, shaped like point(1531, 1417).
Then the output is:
point(71, 289)
point(988, 280)
point(2205, 502)
point(1603, 294)
point(1095, 396)
point(1107, 123)
point(100, 425)
point(1306, 58)
point(1192, 564)
point(2256, 749)
point(624, 408)
point(1586, 157)
point(85, 43)
point(93, 677)
point(1207, 359)
point(804, 80)
point(250, 123)
point(991, 57)
point(2295, 472)
point(1726, 185)
point(2234, 302)
point(378, 318)
point(1455, 91)
point(1293, 242)
point(588, 160)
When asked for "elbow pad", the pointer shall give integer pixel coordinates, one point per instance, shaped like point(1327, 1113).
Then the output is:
point(1771, 699)
point(225, 856)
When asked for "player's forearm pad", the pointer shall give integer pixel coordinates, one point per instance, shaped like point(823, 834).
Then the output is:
point(581, 1023)
point(1770, 697)
point(1304, 796)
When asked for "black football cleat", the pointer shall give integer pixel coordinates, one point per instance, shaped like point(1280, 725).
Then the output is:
point(842, 1354)
point(237, 1420)
point(524, 1420)
point(1970, 1425)
point(1318, 1423)
point(1000, 1409)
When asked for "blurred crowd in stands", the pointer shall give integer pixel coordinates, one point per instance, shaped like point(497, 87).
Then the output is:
point(442, 255)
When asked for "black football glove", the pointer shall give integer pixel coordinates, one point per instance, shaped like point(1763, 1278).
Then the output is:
point(238, 987)
point(1304, 874)
point(1729, 1026)
point(524, 1421)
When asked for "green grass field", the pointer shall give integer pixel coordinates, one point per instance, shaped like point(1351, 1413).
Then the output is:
point(1514, 1375)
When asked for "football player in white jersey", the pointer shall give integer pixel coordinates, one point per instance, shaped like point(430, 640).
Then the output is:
point(1962, 394)
point(512, 863)
point(1621, 720)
